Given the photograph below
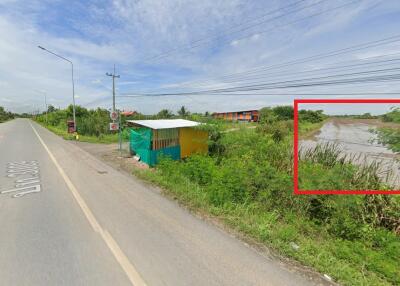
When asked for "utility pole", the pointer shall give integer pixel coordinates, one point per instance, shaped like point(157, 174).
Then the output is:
point(113, 75)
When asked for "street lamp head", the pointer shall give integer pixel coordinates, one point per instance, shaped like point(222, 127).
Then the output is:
point(108, 74)
point(40, 47)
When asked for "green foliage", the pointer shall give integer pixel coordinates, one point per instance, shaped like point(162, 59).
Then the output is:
point(51, 108)
point(89, 122)
point(284, 112)
point(393, 116)
point(5, 115)
point(390, 137)
point(278, 130)
point(165, 114)
point(183, 112)
point(267, 116)
point(270, 115)
point(311, 116)
point(248, 182)
point(92, 125)
point(366, 116)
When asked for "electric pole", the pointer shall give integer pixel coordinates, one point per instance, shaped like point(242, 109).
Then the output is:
point(113, 75)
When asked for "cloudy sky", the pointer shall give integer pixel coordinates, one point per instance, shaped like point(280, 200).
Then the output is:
point(192, 47)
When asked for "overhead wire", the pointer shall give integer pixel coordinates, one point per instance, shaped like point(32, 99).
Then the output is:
point(285, 74)
point(353, 48)
point(200, 42)
point(279, 26)
point(298, 82)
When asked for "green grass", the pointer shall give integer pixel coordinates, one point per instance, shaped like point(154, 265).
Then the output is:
point(307, 128)
point(104, 138)
point(390, 137)
point(248, 186)
point(348, 262)
point(246, 183)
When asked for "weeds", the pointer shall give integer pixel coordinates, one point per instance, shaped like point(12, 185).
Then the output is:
point(249, 186)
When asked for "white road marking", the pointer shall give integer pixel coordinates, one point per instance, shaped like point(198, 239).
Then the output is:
point(32, 189)
point(24, 186)
point(126, 265)
point(26, 183)
point(36, 189)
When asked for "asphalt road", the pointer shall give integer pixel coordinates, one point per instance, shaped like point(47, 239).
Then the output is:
point(66, 218)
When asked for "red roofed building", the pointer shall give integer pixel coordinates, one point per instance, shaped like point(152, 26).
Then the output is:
point(129, 113)
point(247, 115)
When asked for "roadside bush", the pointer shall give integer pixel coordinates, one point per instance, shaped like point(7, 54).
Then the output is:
point(248, 179)
point(389, 137)
point(311, 116)
point(89, 122)
point(5, 115)
point(393, 116)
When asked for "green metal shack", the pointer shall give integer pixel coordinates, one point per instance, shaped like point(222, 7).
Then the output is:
point(176, 138)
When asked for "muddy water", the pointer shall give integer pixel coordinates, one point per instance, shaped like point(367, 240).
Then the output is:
point(357, 140)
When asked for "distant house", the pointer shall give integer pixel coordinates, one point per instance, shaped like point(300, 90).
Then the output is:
point(246, 115)
point(175, 138)
point(129, 113)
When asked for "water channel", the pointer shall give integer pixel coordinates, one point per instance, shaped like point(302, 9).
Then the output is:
point(358, 141)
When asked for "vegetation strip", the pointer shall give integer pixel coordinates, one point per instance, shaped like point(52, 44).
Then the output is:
point(246, 182)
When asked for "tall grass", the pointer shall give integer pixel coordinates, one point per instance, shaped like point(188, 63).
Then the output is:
point(248, 184)
point(359, 172)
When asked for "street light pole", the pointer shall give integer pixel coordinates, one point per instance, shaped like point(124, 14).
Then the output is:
point(73, 84)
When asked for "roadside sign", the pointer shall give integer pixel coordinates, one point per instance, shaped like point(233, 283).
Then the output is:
point(114, 115)
point(71, 126)
point(114, 126)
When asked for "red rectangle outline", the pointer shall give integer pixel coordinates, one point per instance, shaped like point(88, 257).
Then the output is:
point(297, 191)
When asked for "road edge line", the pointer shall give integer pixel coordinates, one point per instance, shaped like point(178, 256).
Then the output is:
point(133, 276)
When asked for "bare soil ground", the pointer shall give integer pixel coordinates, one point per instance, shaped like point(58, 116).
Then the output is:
point(110, 153)
point(374, 122)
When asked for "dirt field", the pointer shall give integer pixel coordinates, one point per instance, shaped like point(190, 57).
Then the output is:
point(110, 153)
point(374, 122)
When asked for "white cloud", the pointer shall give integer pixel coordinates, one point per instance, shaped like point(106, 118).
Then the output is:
point(234, 43)
point(128, 33)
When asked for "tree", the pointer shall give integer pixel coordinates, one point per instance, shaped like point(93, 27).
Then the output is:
point(51, 108)
point(183, 112)
point(284, 112)
point(5, 115)
point(79, 111)
point(267, 115)
point(311, 116)
point(165, 113)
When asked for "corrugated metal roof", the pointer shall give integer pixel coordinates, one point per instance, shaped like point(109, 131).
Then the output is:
point(164, 123)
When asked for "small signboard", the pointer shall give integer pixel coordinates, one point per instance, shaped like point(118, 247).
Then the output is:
point(114, 115)
point(71, 126)
point(114, 126)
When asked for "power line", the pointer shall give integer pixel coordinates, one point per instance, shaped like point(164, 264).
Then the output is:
point(275, 93)
point(330, 76)
point(200, 42)
point(353, 48)
point(298, 82)
point(312, 71)
point(283, 25)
